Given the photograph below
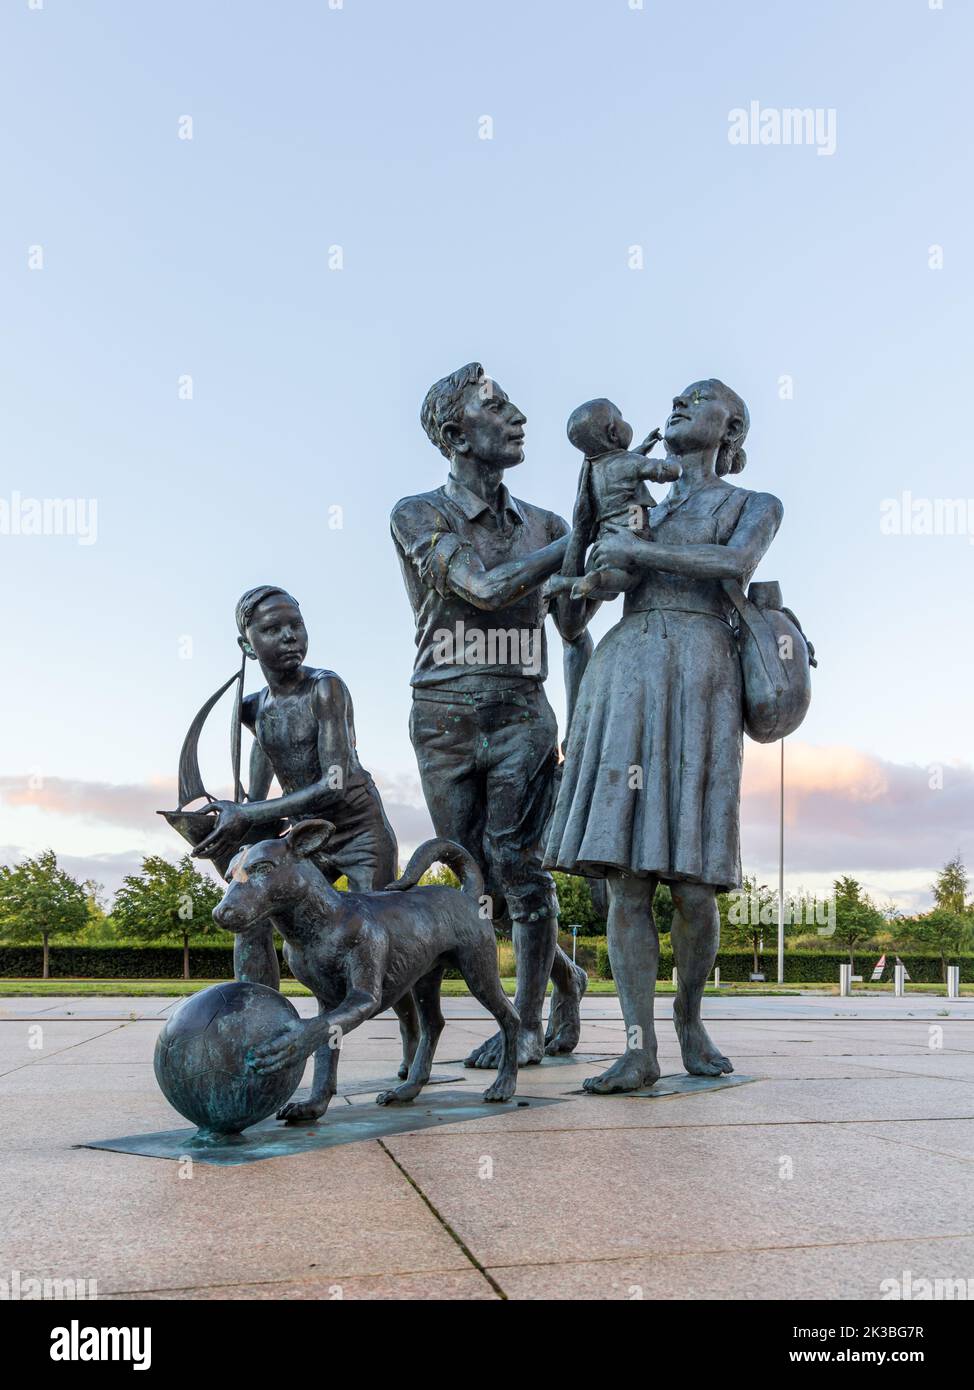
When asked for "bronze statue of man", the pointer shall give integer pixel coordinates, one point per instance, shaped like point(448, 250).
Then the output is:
point(474, 560)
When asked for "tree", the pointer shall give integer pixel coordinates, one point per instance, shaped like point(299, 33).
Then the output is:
point(166, 900)
point(99, 926)
point(950, 889)
point(39, 899)
point(946, 932)
point(575, 906)
point(746, 915)
point(857, 917)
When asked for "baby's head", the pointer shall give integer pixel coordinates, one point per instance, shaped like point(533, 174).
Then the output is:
point(598, 426)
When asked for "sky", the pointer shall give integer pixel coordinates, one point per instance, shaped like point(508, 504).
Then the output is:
point(240, 240)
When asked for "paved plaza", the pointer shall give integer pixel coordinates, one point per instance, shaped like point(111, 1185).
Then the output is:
point(847, 1161)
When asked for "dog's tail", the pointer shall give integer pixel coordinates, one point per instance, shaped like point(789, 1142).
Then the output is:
point(446, 852)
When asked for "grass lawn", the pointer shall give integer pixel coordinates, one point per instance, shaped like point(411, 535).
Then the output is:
point(167, 989)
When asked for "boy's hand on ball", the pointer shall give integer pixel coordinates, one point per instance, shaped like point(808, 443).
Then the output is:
point(280, 1051)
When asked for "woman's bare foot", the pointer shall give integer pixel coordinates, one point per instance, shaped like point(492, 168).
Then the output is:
point(565, 1018)
point(700, 1056)
point(530, 1050)
point(635, 1070)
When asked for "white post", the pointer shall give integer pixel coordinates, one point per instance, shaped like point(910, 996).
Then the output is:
point(716, 977)
point(674, 977)
point(953, 981)
point(899, 980)
point(781, 871)
point(845, 980)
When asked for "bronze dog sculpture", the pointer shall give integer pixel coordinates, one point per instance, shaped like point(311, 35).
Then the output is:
point(359, 953)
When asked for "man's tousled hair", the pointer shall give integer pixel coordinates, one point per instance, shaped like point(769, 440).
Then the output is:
point(443, 403)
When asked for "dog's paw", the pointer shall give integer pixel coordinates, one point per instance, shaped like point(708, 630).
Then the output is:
point(399, 1095)
point(298, 1112)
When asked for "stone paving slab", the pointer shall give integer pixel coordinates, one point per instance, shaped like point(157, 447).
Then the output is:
point(849, 1159)
point(854, 1271)
point(144, 1224)
point(655, 1190)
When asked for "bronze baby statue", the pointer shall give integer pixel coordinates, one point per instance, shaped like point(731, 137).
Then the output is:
point(359, 953)
point(612, 495)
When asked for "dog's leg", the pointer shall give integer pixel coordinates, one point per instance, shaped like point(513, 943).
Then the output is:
point(427, 992)
point(478, 966)
point(409, 1030)
point(323, 1087)
point(302, 1039)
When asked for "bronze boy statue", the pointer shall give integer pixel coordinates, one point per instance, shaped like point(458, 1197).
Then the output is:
point(304, 733)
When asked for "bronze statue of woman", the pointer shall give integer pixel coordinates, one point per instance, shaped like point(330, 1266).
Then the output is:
point(650, 790)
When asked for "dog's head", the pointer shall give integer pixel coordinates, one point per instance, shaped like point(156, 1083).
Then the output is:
point(272, 876)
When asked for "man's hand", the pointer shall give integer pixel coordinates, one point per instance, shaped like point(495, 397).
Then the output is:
point(228, 832)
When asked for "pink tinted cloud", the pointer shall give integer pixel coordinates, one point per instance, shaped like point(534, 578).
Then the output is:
point(845, 810)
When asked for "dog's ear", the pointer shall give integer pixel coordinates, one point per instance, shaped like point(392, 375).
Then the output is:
point(308, 836)
point(236, 864)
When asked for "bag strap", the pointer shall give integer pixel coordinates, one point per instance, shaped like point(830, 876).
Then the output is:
point(753, 619)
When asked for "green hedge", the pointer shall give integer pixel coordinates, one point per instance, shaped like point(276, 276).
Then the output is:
point(216, 963)
point(119, 962)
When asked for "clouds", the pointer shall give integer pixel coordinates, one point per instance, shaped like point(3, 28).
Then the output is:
point(130, 805)
point(64, 807)
point(845, 812)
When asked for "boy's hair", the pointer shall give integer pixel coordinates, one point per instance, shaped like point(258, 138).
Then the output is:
point(252, 598)
point(588, 426)
point(443, 403)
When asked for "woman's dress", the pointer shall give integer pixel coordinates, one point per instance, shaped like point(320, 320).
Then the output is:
point(652, 774)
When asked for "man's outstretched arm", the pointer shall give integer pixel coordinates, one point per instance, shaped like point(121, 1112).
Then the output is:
point(496, 588)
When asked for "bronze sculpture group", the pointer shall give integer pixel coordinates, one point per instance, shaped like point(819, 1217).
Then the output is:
point(648, 791)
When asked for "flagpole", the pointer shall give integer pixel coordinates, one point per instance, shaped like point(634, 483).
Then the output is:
point(781, 871)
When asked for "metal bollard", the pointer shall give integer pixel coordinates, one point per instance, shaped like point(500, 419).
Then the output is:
point(674, 977)
point(716, 977)
point(845, 980)
point(899, 980)
point(953, 981)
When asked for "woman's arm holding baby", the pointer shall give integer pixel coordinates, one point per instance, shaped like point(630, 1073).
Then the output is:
point(735, 560)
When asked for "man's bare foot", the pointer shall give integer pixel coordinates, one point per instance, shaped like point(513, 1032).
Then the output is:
point(635, 1070)
point(565, 1018)
point(500, 1090)
point(700, 1056)
point(299, 1112)
point(530, 1049)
